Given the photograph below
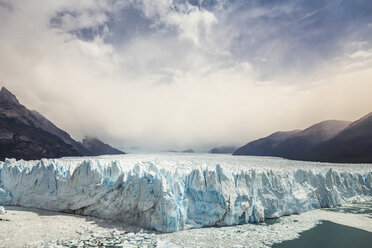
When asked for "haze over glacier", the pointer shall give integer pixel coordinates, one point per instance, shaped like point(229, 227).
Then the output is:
point(174, 192)
point(167, 74)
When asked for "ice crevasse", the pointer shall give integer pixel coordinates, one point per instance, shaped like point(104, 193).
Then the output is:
point(169, 195)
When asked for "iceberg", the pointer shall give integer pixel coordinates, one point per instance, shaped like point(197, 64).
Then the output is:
point(169, 193)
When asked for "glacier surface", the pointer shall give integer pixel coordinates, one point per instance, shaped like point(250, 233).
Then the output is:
point(172, 192)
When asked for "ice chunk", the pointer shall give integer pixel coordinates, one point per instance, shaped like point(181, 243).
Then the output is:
point(165, 244)
point(2, 210)
point(171, 193)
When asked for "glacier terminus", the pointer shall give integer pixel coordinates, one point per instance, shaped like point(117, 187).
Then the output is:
point(173, 192)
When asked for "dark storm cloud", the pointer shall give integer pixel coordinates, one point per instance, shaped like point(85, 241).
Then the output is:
point(128, 24)
point(296, 35)
point(274, 36)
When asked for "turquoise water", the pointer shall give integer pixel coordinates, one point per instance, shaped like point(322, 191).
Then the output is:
point(330, 235)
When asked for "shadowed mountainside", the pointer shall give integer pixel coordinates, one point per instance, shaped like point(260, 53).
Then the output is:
point(351, 145)
point(97, 147)
point(264, 146)
point(22, 136)
point(327, 141)
point(26, 134)
point(295, 146)
point(223, 150)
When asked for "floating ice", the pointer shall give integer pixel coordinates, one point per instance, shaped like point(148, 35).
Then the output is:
point(175, 192)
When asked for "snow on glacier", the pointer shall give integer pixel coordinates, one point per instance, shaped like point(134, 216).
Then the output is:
point(172, 192)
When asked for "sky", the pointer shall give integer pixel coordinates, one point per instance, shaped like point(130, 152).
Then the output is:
point(167, 74)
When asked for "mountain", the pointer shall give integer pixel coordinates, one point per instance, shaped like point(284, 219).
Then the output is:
point(48, 126)
point(265, 146)
point(21, 135)
point(223, 150)
point(26, 134)
point(188, 151)
point(351, 145)
point(11, 108)
point(293, 144)
point(97, 147)
point(298, 144)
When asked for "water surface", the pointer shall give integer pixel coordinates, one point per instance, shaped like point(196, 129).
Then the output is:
point(330, 235)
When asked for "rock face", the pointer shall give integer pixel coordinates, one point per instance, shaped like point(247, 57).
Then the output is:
point(223, 150)
point(351, 145)
point(170, 194)
point(20, 141)
point(49, 127)
point(23, 136)
point(265, 146)
point(188, 151)
point(97, 147)
point(10, 108)
point(294, 144)
point(298, 144)
point(26, 134)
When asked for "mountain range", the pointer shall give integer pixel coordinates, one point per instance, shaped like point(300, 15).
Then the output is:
point(351, 145)
point(327, 141)
point(26, 134)
point(97, 147)
point(223, 150)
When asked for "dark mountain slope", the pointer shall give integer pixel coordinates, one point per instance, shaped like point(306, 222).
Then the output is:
point(26, 134)
point(223, 150)
point(97, 147)
point(21, 141)
point(351, 145)
point(11, 108)
point(22, 137)
point(48, 126)
point(295, 146)
point(264, 146)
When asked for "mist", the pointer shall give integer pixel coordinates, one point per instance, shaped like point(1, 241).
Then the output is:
point(162, 75)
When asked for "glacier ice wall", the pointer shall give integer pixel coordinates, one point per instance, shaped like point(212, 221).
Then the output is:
point(173, 194)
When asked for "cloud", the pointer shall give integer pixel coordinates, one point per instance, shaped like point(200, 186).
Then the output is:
point(177, 74)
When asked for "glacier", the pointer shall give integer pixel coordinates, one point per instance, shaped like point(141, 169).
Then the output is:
point(173, 192)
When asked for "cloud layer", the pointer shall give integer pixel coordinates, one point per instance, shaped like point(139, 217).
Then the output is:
point(168, 74)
